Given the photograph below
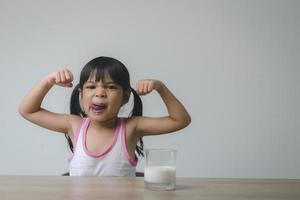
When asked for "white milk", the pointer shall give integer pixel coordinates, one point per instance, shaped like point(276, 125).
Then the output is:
point(160, 174)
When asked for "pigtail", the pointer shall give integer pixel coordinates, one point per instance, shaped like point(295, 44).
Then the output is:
point(137, 110)
point(70, 143)
point(75, 109)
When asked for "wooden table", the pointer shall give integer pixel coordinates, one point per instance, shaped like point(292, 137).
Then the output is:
point(121, 188)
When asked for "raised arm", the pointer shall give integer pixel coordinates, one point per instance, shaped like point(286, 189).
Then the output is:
point(177, 119)
point(30, 107)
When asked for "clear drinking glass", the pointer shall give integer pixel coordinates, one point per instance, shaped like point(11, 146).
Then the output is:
point(160, 169)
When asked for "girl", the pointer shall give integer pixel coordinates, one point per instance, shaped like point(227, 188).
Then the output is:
point(103, 144)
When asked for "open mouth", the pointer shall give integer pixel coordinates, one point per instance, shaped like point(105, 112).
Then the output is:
point(98, 108)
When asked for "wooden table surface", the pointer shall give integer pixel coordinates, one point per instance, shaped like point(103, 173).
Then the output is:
point(55, 187)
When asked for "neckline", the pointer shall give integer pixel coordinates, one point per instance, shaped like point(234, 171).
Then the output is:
point(106, 150)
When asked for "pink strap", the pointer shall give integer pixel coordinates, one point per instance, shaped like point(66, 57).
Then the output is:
point(82, 123)
point(75, 138)
point(132, 161)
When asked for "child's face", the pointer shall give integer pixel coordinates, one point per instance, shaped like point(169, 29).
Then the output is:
point(101, 100)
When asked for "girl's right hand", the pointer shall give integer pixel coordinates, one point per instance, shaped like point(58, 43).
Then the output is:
point(62, 77)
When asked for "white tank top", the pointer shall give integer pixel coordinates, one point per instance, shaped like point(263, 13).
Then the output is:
point(113, 161)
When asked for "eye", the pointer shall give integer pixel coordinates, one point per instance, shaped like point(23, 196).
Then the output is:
point(90, 87)
point(112, 87)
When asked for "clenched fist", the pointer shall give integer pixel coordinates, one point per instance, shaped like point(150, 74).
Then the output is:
point(62, 77)
point(146, 86)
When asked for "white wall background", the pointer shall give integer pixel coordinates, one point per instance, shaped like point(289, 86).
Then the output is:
point(234, 64)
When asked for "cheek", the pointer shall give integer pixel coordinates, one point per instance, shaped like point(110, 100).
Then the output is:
point(117, 100)
point(85, 99)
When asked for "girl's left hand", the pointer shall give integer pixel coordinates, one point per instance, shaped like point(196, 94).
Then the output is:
point(146, 86)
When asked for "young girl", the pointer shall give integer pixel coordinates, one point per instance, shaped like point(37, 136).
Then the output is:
point(103, 144)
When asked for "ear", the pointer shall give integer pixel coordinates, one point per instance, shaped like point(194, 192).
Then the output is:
point(126, 96)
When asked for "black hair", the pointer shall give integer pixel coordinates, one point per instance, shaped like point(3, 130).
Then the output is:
point(120, 75)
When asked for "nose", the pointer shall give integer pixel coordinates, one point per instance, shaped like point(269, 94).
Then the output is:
point(100, 93)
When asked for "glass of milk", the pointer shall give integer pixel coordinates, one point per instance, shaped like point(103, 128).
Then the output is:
point(160, 169)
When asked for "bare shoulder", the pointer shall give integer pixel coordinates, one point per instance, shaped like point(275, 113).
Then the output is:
point(131, 124)
point(75, 122)
point(132, 135)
